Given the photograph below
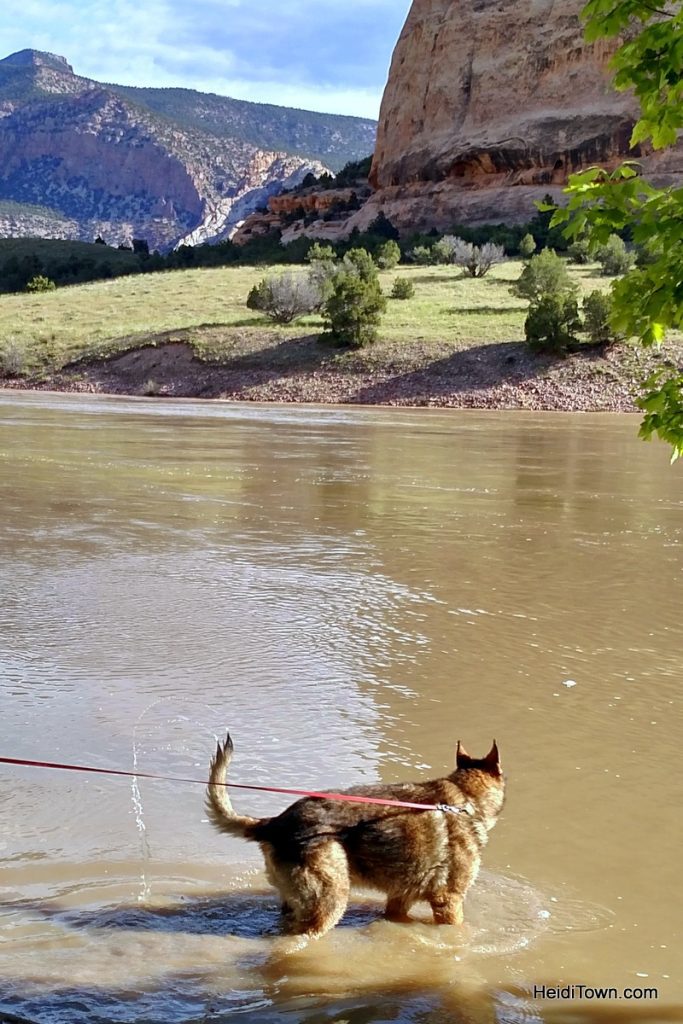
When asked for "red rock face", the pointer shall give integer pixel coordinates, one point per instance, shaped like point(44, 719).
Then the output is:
point(309, 202)
point(489, 105)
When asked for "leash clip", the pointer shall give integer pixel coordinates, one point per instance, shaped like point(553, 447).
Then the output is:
point(450, 809)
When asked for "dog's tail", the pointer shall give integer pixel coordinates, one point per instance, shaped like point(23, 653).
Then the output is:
point(220, 810)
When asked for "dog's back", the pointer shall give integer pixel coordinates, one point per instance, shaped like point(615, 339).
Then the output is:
point(316, 848)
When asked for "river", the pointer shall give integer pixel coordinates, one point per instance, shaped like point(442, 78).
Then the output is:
point(349, 591)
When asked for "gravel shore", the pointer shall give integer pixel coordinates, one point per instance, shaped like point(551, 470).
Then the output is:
point(495, 376)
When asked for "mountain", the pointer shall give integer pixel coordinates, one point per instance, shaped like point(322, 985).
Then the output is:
point(79, 158)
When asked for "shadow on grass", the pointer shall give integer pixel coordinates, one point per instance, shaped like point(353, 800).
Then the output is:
point(434, 278)
point(487, 310)
point(248, 321)
point(495, 282)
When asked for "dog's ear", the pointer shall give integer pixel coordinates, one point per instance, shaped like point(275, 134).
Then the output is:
point(492, 760)
point(462, 758)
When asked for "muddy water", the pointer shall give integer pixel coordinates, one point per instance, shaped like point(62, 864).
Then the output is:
point(349, 592)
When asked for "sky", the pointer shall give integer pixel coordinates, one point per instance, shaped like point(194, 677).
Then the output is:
point(328, 55)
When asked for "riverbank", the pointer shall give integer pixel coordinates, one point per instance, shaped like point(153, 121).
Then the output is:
point(495, 376)
point(188, 334)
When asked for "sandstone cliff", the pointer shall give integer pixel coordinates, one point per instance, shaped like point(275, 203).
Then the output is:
point(123, 163)
point(490, 105)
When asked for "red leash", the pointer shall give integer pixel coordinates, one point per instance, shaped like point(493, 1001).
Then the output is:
point(344, 797)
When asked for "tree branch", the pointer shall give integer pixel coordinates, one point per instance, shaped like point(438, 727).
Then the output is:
point(656, 10)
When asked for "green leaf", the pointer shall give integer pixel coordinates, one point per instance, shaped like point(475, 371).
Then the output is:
point(648, 301)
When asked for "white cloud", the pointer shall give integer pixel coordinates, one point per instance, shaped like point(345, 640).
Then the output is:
point(327, 56)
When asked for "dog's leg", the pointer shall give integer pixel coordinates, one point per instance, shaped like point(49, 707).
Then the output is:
point(287, 913)
point(446, 898)
point(320, 888)
point(397, 909)
point(446, 907)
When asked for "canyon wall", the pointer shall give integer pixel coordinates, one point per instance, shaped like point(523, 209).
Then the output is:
point(491, 104)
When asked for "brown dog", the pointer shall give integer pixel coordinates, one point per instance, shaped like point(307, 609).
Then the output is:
point(317, 848)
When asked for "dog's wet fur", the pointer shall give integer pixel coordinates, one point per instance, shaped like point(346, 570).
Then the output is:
point(316, 849)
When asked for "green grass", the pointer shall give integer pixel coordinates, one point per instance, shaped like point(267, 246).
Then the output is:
point(207, 309)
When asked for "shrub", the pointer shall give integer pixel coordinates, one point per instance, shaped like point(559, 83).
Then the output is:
point(321, 275)
point(476, 261)
point(552, 323)
point(259, 296)
point(645, 256)
point(539, 226)
point(597, 312)
point(352, 171)
point(545, 274)
point(12, 358)
point(423, 255)
point(402, 289)
point(388, 256)
point(285, 298)
point(579, 251)
point(151, 388)
point(360, 262)
point(40, 283)
point(354, 308)
point(382, 227)
point(320, 252)
point(614, 257)
point(527, 246)
point(553, 317)
point(442, 251)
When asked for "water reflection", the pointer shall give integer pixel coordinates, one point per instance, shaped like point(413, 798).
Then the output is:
point(349, 592)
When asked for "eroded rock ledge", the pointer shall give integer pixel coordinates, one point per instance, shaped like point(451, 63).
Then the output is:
point(488, 106)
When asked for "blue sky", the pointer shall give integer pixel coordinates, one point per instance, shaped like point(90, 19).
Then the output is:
point(330, 55)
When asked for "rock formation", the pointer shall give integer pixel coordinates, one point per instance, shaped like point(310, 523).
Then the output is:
point(169, 166)
point(321, 213)
point(286, 212)
point(490, 104)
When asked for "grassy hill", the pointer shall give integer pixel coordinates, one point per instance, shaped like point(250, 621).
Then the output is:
point(207, 307)
point(52, 250)
point(458, 342)
point(62, 260)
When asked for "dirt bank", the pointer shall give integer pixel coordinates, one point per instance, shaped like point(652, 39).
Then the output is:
point(495, 376)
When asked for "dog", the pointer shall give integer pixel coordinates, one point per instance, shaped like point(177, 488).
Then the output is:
point(316, 848)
